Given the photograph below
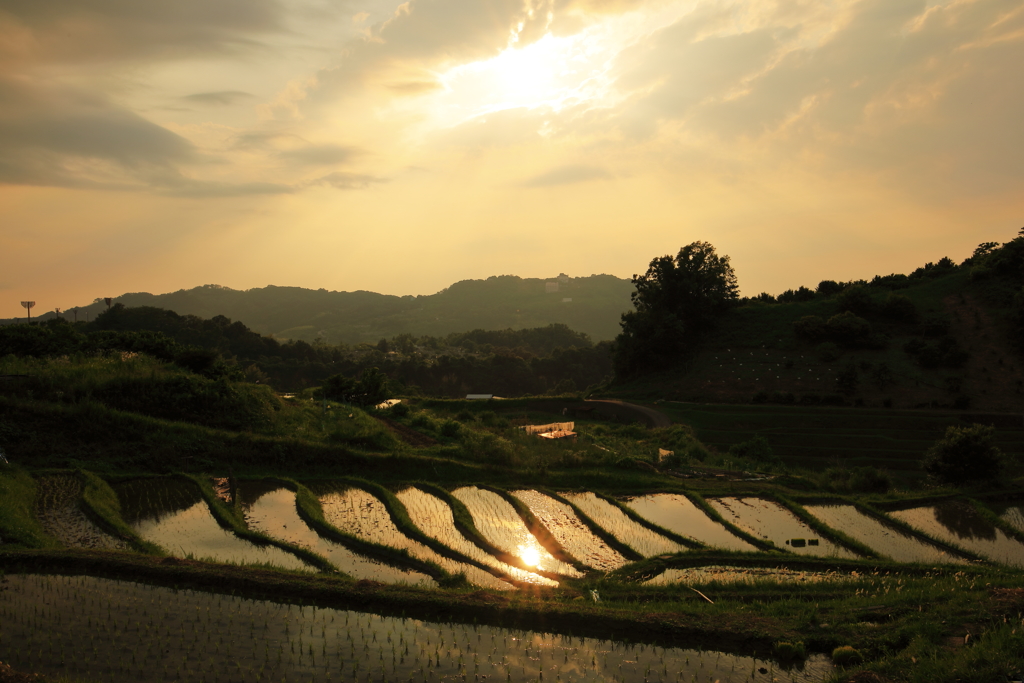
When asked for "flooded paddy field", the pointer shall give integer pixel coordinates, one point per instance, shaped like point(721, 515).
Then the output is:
point(115, 630)
point(172, 513)
point(500, 524)
point(57, 509)
point(270, 509)
point(1012, 514)
point(433, 516)
point(677, 513)
point(363, 515)
point(573, 535)
point(887, 540)
point(769, 520)
point(745, 575)
point(957, 522)
point(613, 520)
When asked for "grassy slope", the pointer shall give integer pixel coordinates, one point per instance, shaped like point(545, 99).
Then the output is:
point(18, 525)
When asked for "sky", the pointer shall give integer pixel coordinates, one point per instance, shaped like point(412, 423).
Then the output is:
point(401, 147)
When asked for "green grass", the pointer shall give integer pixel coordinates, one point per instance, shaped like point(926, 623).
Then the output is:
point(18, 525)
point(230, 518)
point(309, 509)
point(100, 503)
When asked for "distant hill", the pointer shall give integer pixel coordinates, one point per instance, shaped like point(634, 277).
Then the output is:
point(592, 305)
point(948, 335)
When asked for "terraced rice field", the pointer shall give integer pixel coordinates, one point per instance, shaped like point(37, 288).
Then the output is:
point(959, 523)
point(101, 629)
point(613, 520)
point(770, 521)
point(274, 513)
point(499, 523)
point(572, 534)
point(57, 509)
point(172, 514)
point(434, 518)
point(745, 575)
point(1014, 516)
point(887, 540)
point(361, 514)
point(677, 513)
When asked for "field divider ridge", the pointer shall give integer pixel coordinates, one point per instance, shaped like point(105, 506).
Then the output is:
point(997, 521)
point(400, 516)
point(691, 543)
point(538, 529)
point(913, 531)
point(310, 511)
point(467, 527)
point(716, 516)
point(825, 530)
point(595, 528)
point(99, 502)
point(18, 524)
point(230, 518)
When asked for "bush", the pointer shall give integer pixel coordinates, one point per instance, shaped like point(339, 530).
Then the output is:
point(450, 429)
point(757, 449)
point(399, 410)
point(789, 652)
point(859, 479)
point(855, 300)
point(846, 656)
point(899, 308)
point(964, 454)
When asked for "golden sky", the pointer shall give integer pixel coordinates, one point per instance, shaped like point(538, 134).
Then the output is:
point(400, 147)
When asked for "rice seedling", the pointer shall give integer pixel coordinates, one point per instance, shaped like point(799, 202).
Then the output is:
point(362, 514)
point(435, 518)
point(677, 513)
point(270, 509)
point(960, 524)
point(570, 532)
point(173, 514)
point(769, 520)
point(58, 508)
point(890, 541)
point(641, 539)
point(498, 521)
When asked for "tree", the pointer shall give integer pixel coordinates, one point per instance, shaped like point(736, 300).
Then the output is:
point(964, 454)
point(675, 301)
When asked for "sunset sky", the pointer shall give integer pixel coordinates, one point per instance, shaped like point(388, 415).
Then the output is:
point(400, 147)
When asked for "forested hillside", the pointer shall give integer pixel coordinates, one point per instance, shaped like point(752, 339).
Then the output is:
point(587, 304)
point(950, 334)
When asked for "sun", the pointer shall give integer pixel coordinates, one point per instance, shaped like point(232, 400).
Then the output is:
point(530, 555)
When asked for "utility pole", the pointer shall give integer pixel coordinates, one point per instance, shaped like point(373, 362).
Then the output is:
point(28, 307)
point(57, 311)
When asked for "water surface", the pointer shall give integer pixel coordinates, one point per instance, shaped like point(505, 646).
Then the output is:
point(882, 538)
point(677, 513)
point(614, 521)
point(171, 512)
point(115, 630)
point(957, 522)
point(573, 535)
point(270, 509)
point(58, 510)
point(499, 523)
point(770, 521)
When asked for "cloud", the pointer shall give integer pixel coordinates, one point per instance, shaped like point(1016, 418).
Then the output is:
point(347, 181)
point(567, 175)
point(100, 30)
point(220, 98)
point(65, 137)
point(319, 155)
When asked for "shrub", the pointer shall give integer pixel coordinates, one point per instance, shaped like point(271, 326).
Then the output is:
point(757, 449)
point(810, 400)
point(465, 416)
point(423, 421)
point(828, 352)
point(846, 656)
point(760, 397)
point(964, 454)
point(399, 410)
point(856, 300)
point(788, 652)
point(450, 429)
point(899, 308)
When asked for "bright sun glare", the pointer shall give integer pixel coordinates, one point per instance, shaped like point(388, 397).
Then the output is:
point(530, 555)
